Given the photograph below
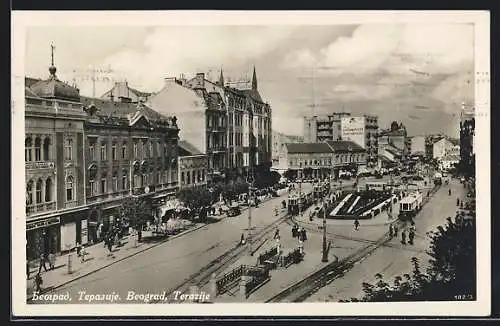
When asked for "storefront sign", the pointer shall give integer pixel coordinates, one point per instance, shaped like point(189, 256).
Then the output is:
point(85, 231)
point(39, 165)
point(42, 224)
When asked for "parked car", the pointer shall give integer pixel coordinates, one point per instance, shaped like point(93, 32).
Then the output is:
point(233, 211)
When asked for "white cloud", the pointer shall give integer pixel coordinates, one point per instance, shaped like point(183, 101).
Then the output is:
point(170, 51)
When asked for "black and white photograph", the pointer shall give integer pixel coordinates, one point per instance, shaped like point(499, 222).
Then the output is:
point(294, 163)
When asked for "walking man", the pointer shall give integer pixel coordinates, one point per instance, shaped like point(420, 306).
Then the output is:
point(403, 237)
point(43, 262)
point(411, 236)
point(277, 234)
point(38, 282)
point(356, 224)
point(391, 231)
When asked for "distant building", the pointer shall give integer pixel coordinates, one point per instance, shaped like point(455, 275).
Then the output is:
point(396, 138)
point(417, 146)
point(324, 127)
point(193, 166)
point(321, 159)
point(449, 161)
point(278, 140)
point(122, 92)
point(363, 131)
point(467, 163)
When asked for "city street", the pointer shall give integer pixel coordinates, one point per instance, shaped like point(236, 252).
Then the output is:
point(163, 267)
point(395, 260)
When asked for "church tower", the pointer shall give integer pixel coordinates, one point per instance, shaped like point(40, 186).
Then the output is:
point(254, 80)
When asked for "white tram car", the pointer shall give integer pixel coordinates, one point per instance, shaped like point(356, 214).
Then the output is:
point(410, 206)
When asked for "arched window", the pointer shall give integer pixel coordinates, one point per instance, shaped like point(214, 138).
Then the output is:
point(48, 190)
point(28, 143)
point(29, 193)
point(46, 149)
point(115, 181)
point(104, 184)
point(39, 185)
point(124, 150)
point(38, 149)
point(69, 188)
point(188, 177)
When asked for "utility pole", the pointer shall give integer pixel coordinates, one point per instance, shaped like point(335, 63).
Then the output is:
point(324, 257)
point(250, 198)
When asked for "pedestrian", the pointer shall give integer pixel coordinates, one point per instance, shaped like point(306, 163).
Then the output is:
point(391, 231)
point(411, 236)
point(82, 255)
point(304, 234)
point(52, 260)
point(396, 230)
point(78, 249)
point(294, 231)
point(458, 201)
point(403, 237)
point(38, 282)
point(277, 234)
point(449, 192)
point(356, 224)
point(43, 262)
point(301, 247)
point(27, 270)
point(242, 239)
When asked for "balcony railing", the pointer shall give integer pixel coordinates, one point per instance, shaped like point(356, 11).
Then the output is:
point(39, 165)
point(40, 208)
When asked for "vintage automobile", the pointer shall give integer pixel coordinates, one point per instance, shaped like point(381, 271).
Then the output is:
point(233, 211)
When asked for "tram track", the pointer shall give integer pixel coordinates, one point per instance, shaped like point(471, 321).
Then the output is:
point(203, 276)
point(309, 285)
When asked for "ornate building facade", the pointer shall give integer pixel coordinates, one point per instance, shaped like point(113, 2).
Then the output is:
point(130, 151)
point(54, 168)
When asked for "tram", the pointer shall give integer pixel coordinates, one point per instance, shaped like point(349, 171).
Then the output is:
point(410, 206)
point(294, 202)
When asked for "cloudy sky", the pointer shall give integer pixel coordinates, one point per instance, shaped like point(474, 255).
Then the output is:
point(415, 73)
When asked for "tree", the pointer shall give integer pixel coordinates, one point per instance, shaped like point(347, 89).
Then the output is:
point(136, 211)
point(451, 271)
point(290, 175)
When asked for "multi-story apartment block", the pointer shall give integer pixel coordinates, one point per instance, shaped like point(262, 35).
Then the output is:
point(362, 130)
point(130, 150)
point(323, 128)
point(278, 140)
point(193, 166)
point(231, 125)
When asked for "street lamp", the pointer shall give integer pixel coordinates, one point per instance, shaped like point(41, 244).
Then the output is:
point(324, 257)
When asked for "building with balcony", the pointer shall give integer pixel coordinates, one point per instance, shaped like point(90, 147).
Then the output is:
point(231, 125)
point(417, 146)
point(130, 151)
point(324, 127)
point(54, 165)
point(193, 166)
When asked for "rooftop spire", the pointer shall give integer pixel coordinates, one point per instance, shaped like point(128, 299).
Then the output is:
point(221, 78)
point(254, 79)
point(52, 68)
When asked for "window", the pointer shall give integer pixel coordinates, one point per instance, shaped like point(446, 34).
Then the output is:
point(158, 149)
point(151, 149)
point(159, 177)
point(124, 151)
point(113, 152)
point(182, 178)
point(144, 180)
point(199, 175)
point(124, 180)
point(69, 188)
point(38, 150)
point(27, 149)
point(29, 193)
point(104, 185)
point(92, 187)
point(115, 183)
point(68, 151)
point(91, 152)
point(39, 191)
point(188, 177)
point(103, 152)
point(48, 190)
point(203, 175)
point(137, 181)
point(46, 148)
point(135, 150)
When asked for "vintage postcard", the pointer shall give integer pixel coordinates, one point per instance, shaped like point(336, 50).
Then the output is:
point(251, 163)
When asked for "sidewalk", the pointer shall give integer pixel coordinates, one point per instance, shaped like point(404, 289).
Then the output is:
point(97, 258)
